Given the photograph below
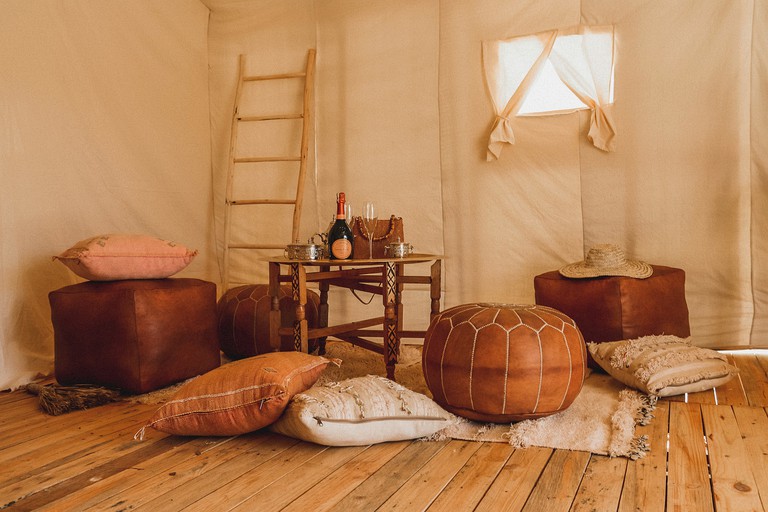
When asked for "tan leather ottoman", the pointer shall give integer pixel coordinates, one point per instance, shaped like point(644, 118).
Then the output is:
point(134, 335)
point(243, 319)
point(617, 308)
point(503, 362)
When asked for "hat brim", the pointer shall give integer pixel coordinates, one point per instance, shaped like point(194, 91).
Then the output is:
point(580, 270)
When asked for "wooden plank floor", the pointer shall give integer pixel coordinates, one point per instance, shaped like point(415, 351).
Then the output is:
point(709, 452)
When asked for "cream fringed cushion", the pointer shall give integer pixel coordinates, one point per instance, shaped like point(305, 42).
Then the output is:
point(360, 411)
point(663, 365)
point(120, 256)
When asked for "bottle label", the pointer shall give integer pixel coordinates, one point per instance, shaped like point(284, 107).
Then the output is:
point(341, 249)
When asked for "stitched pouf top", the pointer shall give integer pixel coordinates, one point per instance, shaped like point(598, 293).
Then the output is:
point(503, 362)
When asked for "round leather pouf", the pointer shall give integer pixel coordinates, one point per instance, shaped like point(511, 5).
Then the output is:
point(243, 319)
point(503, 362)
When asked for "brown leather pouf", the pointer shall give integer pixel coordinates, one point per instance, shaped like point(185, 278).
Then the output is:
point(502, 362)
point(619, 308)
point(134, 335)
point(243, 314)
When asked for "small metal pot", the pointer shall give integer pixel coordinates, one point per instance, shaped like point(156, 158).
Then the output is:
point(398, 250)
point(307, 251)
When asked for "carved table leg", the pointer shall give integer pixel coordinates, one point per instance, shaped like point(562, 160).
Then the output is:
point(391, 337)
point(299, 291)
point(434, 293)
point(322, 310)
point(274, 311)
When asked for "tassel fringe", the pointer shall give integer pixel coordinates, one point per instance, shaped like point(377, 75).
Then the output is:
point(56, 400)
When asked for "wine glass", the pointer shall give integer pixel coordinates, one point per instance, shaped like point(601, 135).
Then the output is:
point(348, 214)
point(369, 221)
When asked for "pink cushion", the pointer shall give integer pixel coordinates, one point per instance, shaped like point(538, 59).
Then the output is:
point(117, 256)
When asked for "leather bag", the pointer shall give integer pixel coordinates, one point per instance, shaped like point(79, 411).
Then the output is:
point(387, 231)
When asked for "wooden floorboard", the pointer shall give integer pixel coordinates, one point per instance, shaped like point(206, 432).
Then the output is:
point(709, 451)
point(558, 483)
point(733, 483)
point(601, 484)
point(516, 480)
point(645, 481)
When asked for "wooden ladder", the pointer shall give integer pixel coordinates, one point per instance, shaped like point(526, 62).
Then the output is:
point(235, 161)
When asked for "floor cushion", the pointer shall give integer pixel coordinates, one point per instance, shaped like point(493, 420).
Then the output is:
point(663, 365)
point(360, 411)
point(238, 397)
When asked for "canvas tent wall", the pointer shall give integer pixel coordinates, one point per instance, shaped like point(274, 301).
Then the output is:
point(104, 129)
point(116, 116)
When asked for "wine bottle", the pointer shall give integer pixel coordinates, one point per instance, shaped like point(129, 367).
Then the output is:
point(340, 239)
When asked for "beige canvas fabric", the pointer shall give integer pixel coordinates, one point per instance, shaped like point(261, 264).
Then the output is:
point(116, 119)
point(104, 129)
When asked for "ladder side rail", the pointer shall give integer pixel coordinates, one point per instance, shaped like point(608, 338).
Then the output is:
point(231, 170)
point(308, 97)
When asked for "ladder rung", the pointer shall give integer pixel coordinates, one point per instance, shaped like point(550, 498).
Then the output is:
point(281, 76)
point(240, 202)
point(255, 159)
point(254, 246)
point(272, 117)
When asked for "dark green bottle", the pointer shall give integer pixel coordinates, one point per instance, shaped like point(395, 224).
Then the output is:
point(340, 239)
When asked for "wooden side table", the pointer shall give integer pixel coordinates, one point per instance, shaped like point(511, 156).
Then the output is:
point(382, 276)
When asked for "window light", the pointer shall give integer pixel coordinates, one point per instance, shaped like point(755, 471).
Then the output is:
point(549, 94)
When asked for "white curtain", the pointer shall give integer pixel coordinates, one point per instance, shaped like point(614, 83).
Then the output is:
point(584, 62)
point(509, 80)
point(583, 59)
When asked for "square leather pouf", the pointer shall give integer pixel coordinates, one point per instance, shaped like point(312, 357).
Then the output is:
point(134, 335)
point(619, 308)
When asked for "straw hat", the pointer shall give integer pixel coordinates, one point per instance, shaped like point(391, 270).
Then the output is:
point(607, 260)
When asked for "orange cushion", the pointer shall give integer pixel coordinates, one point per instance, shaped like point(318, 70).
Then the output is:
point(238, 397)
point(117, 256)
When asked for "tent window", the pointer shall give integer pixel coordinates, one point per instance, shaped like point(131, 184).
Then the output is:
point(551, 72)
point(549, 95)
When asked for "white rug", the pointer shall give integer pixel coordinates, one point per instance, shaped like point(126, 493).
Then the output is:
point(601, 420)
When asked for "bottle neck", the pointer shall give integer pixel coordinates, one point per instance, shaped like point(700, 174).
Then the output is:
point(340, 200)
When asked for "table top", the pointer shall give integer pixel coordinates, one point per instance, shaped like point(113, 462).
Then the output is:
point(411, 258)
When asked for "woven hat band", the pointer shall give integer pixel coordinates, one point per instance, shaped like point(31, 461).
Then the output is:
point(605, 256)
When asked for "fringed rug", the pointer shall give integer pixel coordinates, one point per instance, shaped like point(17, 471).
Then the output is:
point(601, 420)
